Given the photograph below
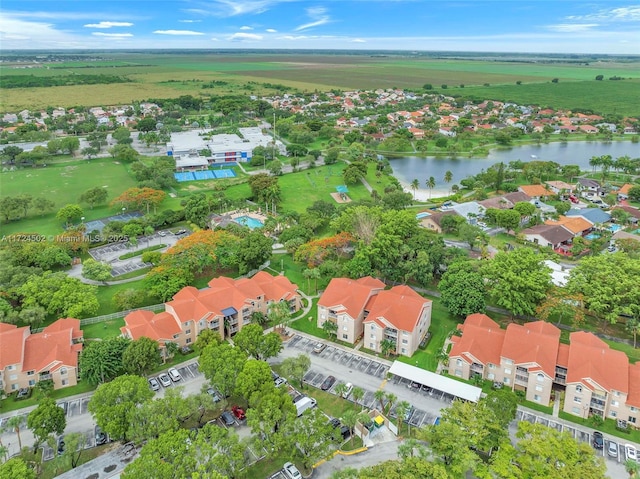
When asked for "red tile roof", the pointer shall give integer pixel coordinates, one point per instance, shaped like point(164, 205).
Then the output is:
point(592, 361)
point(351, 294)
point(53, 347)
point(563, 355)
point(481, 337)
point(12, 340)
point(159, 327)
point(400, 306)
point(535, 342)
point(633, 398)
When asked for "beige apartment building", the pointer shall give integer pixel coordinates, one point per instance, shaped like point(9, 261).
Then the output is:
point(225, 307)
point(26, 358)
point(530, 358)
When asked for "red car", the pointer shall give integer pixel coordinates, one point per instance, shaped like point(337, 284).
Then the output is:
point(238, 412)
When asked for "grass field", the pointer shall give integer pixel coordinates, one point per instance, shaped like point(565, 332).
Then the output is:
point(171, 75)
point(63, 183)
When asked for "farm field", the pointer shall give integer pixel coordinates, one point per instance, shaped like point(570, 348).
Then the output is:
point(63, 183)
point(167, 75)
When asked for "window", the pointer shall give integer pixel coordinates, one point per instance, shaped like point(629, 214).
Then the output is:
point(404, 341)
point(615, 403)
point(12, 367)
point(176, 336)
point(188, 340)
point(14, 387)
point(404, 351)
point(345, 336)
point(491, 366)
point(65, 382)
point(540, 377)
point(63, 371)
point(536, 398)
point(491, 376)
point(459, 362)
point(613, 414)
point(458, 373)
point(507, 371)
point(633, 409)
point(578, 388)
point(32, 382)
point(30, 373)
point(508, 361)
point(188, 331)
point(507, 380)
point(616, 393)
point(404, 333)
point(632, 419)
point(13, 377)
point(577, 399)
point(345, 328)
point(575, 410)
point(373, 327)
point(539, 388)
point(201, 323)
point(373, 336)
point(371, 345)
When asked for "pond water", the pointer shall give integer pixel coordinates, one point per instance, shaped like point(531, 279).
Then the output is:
point(570, 153)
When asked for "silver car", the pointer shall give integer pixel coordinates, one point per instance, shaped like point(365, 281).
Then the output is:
point(164, 380)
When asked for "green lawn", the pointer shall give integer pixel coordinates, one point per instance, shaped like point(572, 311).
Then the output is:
point(63, 183)
point(50, 469)
point(608, 427)
point(308, 323)
point(105, 296)
point(10, 404)
point(103, 330)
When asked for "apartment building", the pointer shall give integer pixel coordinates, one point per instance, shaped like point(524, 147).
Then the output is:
point(27, 358)
point(346, 303)
point(530, 358)
point(362, 308)
point(399, 315)
point(225, 306)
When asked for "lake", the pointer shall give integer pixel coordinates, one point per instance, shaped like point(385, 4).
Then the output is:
point(569, 153)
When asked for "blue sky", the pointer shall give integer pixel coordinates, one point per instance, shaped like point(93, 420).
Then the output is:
point(547, 26)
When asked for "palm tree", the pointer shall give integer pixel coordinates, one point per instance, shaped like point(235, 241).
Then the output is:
point(391, 398)
point(14, 424)
point(379, 396)
point(431, 183)
point(407, 448)
point(401, 409)
point(357, 394)
point(340, 389)
point(448, 177)
point(595, 161)
point(315, 276)
point(415, 184)
point(350, 419)
point(387, 346)
point(632, 467)
point(307, 274)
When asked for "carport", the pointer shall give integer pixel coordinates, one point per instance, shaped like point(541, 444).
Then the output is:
point(436, 381)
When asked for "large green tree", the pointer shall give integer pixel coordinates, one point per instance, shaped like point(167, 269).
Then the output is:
point(96, 270)
point(101, 361)
point(141, 356)
point(252, 340)
point(221, 365)
point(15, 468)
point(462, 289)
point(253, 250)
point(113, 404)
point(295, 368)
point(69, 213)
point(94, 196)
point(518, 280)
point(60, 295)
point(269, 410)
point(46, 419)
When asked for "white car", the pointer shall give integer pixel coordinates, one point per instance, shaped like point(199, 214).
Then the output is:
point(164, 380)
point(630, 452)
point(612, 449)
point(174, 375)
point(347, 391)
point(291, 471)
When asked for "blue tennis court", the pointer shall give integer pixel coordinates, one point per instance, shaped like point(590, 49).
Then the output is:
point(224, 173)
point(184, 176)
point(204, 175)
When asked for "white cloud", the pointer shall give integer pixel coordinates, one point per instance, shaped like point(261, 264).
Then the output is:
point(358, 40)
point(245, 36)
point(87, 15)
point(319, 17)
point(572, 27)
point(272, 30)
point(112, 35)
point(245, 27)
point(620, 14)
point(232, 8)
point(177, 32)
point(189, 21)
point(108, 24)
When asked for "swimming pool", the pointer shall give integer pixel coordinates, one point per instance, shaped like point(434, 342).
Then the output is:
point(592, 236)
point(424, 214)
point(614, 228)
point(249, 221)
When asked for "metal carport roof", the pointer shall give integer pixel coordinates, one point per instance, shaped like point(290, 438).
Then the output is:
point(436, 381)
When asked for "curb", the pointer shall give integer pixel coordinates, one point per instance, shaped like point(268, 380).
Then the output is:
point(340, 453)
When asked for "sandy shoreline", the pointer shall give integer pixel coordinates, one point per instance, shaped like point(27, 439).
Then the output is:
point(424, 194)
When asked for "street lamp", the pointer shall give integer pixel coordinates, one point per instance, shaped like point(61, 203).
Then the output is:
point(82, 219)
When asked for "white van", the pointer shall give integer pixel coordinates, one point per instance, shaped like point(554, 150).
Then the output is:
point(304, 403)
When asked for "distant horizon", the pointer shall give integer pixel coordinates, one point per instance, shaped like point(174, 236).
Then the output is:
point(509, 26)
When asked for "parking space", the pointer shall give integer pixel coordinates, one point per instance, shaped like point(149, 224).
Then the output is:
point(278, 475)
point(292, 343)
point(73, 408)
point(47, 453)
point(84, 405)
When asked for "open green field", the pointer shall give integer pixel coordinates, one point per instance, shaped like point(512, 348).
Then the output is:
point(64, 183)
point(156, 75)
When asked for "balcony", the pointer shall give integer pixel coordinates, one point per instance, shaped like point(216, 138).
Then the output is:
point(560, 380)
point(523, 380)
point(332, 316)
point(393, 333)
point(598, 404)
point(215, 325)
point(45, 376)
point(477, 368)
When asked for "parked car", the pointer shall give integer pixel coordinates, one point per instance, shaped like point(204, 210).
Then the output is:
point(180, 232)
point(174, 375)
point(162, 233)
point(319, 348)
point(60, 445)
point(291, 471)
point(335, 422)
point(348, 390)
point(154, 384)
point(228, 419)
point(415, 385)
point(408, 413)
point(101, 436)
point(573, 199)
point(280, 381)
point(630, 452)
point(345, 432)
point(598, 440)
point(23, 393)
point(164, 380)
point(612, 450)
point(238, 412)
point(327, 383)
point(214, 394)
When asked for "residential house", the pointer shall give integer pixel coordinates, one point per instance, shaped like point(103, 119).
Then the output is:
point(225, 307)
point(27, 358)
point(597, 380)
point(623, 192)
point(560, 187)
point(471, 211)
point(578, 225)
point(594, 215)
point(588, 187)
point(535, 191)
point(553, 236)
point(433, 221)
point(399, 315)
point(506, 201)
point(634, 213)
point(347, 302)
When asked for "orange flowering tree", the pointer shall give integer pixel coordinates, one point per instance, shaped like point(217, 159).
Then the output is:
point(201, 250)
point(315, 252)
point(140, 198)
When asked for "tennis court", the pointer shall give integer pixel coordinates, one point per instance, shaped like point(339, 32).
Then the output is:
point(204, 175)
